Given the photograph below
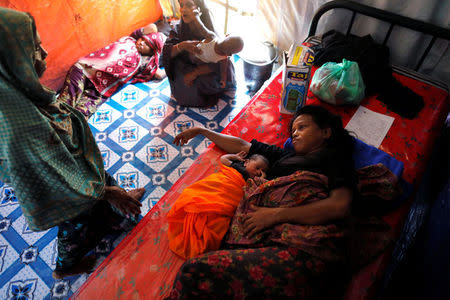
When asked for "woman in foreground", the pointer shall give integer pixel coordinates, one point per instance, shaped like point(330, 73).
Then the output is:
point(302, 260)
point(49, 156)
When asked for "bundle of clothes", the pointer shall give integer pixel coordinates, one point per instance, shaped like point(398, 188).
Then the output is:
point(373, 62)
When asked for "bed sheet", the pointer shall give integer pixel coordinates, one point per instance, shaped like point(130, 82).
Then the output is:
point(143, 267)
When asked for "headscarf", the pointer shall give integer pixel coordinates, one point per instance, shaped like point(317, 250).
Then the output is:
point(185, 32)
point(206, 15)
point(17, 49)
point(155, 41)
point(47, 151)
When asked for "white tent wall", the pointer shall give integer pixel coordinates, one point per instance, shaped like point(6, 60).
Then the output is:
point(285, 21)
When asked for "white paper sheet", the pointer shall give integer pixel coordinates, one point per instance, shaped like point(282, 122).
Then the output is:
point(369, 126)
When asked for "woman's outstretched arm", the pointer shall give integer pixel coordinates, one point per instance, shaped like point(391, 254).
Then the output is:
point(188, 46)
point(336, 206)
point(228, 143)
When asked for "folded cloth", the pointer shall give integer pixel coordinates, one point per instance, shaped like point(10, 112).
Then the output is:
point(373, 62)
point(366, 155)
point(200, 217)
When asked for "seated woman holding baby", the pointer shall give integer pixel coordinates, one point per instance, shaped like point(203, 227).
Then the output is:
point(98, 75)
point(288, 237)
point(196, 61)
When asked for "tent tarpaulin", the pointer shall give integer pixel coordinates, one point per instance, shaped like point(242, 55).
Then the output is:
point(71, 29)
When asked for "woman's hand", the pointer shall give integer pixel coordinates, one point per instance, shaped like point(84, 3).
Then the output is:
point(184, 137)
point(262, 218)
point(127, 202)
point(189, 46)
point(189, 78)
point(258, 180)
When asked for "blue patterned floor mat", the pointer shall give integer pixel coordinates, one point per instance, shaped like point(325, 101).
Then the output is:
point(134, 130)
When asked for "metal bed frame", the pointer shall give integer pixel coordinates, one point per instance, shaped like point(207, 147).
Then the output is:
point(391, 18)
point(421, 205)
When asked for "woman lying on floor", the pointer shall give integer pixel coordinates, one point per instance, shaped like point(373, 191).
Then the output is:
point(306, 249)
point(98, 75)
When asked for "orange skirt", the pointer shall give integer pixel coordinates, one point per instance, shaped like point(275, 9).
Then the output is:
point(200, 217)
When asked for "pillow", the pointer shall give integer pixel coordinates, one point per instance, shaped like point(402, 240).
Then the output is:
point(365, 155)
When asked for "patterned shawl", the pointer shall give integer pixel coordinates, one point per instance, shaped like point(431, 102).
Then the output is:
point(322, 241)
point(120, 62)
point(47, 151)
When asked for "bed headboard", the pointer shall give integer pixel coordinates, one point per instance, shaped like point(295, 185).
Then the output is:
point(394, 20)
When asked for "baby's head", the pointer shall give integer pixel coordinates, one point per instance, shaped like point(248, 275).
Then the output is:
point(256, 165)
point(145, 46)
point(230, 45)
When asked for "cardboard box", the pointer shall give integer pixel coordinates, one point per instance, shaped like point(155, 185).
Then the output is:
point(296, 75)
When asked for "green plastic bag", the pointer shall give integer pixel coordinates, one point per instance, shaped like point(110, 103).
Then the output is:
point(338, 83)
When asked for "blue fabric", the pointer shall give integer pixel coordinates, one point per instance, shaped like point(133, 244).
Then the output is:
point(134, 130)
point(366, 155)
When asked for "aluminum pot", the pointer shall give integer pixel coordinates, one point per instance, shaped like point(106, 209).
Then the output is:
point(258, 69)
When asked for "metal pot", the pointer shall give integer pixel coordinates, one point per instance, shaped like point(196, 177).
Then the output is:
point(258, 69)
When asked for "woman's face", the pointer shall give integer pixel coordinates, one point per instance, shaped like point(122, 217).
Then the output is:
point(143, 48)
point(40, 54)
point(188, 10)
point(307, 136)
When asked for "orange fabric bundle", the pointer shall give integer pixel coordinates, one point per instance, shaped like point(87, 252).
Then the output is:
point(200, 217)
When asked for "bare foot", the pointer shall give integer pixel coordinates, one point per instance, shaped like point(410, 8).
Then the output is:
point(127, 202)
point(160, 74)
point(84, 266)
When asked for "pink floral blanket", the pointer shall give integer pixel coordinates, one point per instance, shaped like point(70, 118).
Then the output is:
point(120, 63)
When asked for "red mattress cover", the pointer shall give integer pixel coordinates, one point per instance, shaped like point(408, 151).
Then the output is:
point(143, 267)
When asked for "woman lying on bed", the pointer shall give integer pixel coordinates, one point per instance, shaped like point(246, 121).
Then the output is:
point(98, 75)
point(294, 267)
